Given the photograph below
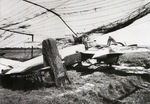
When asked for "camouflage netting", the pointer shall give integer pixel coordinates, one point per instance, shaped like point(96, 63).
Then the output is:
point(121, 23)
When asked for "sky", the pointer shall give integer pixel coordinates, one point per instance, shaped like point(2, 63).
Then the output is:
point(80, 15)
point(136, 33)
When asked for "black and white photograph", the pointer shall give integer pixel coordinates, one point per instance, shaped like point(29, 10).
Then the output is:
point(74, 51)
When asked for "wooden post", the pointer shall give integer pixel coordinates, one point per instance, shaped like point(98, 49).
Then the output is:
point(32, 47)
point(52, 58)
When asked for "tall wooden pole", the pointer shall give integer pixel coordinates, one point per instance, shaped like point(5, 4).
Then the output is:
point(52, 58)
point(32, 47)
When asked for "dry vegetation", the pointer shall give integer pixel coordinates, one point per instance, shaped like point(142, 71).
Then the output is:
point(136, 59)
point(102, 85)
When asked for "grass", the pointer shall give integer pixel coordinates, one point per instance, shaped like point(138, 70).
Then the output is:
point(136, 59)
point(107, 88)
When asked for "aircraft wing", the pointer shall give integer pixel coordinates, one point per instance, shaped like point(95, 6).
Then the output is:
point(106, 52)
point(91, 51)
point(37, 63)
point(112, 51)
point(8, 64)
point(98, 53)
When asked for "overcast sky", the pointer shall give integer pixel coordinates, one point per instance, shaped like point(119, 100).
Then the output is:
point(80, 15)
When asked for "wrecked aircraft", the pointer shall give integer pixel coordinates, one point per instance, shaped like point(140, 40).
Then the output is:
point(108, 53)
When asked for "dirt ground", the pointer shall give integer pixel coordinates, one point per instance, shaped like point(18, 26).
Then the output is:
point(91, 85)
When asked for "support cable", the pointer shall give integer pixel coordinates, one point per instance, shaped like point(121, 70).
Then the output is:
point(51, 10)
point(16, 32)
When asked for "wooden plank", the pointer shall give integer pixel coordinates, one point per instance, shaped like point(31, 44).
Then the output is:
point(132, 70)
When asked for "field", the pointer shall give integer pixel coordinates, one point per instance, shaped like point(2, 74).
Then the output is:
point(91, 85)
